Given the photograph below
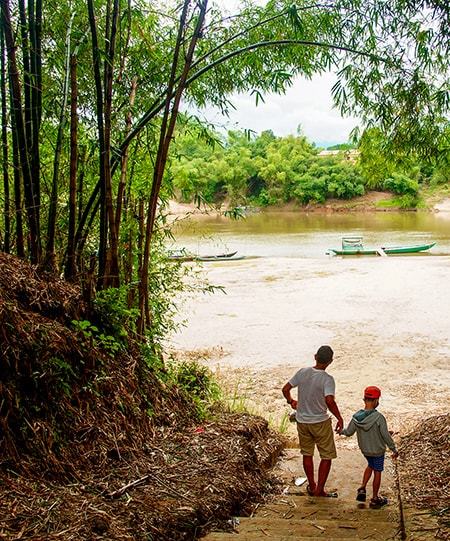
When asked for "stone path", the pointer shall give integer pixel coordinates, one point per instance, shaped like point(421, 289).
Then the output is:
point(295, 515)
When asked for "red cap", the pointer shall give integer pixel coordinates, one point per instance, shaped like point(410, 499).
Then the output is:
point(372, 392)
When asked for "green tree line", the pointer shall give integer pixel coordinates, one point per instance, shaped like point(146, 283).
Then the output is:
point(242, 169)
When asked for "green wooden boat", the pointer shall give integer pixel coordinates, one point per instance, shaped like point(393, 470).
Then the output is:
point(354, 246)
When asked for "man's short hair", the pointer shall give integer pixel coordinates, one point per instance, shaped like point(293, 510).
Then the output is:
point(324, 355)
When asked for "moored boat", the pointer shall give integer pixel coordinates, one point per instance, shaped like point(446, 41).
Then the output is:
point(182, 254)
point(219, 257)
point(354, 246)
point(226, 255)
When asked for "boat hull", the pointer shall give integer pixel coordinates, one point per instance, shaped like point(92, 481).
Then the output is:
point(227, 255)
point(221, 258)
point(182, 255)
point(389, 250)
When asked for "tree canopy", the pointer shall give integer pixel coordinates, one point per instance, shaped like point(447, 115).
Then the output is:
point(93, 92)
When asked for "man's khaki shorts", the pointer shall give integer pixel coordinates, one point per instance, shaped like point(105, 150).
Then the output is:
point(320, 434)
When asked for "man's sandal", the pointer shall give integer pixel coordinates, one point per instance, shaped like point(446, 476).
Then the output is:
point(377, 503)
point(361, 494)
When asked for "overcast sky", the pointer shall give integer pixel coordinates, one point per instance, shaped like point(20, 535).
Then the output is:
point(306, 103)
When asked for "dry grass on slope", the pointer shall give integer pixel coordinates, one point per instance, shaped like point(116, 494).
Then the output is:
point(100, 446)
point(424, 471)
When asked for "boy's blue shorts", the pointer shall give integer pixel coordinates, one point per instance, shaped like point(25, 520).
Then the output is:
point(375, 462)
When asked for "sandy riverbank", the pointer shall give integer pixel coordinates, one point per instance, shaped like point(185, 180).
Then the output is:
point(386, 319)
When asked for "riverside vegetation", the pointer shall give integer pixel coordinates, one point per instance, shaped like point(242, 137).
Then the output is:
point(101, 435)
point(265, 170)
point(104, 438)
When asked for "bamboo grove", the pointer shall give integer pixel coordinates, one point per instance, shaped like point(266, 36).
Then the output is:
point(91, 97)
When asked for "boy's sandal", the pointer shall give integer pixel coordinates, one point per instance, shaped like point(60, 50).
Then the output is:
point(361, 494)
point(377, 503)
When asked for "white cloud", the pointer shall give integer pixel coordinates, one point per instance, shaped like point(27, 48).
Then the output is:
point(307, 103)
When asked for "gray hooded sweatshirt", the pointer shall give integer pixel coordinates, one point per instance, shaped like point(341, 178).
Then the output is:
point(372, 432)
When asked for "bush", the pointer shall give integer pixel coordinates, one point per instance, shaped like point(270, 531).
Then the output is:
point(406, 202)
point(196, 382)
point(401, 184)
point(341, 180)
point(310, 189)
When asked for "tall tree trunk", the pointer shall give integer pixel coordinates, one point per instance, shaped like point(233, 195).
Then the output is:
point(18, 202)
point(35, 25)
point(124, 165)
point(70, 271)
point(111, 278)
point(31, 28)
point(103, 227)
point(31, 200)
point(26, 63)
point(128, 125)
point(71, 268)
point(140, 245)
point(167, 129)
point(6, 190)
point(50, 257)
point(133, 213)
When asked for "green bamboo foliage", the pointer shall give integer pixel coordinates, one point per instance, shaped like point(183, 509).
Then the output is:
point(91, 104)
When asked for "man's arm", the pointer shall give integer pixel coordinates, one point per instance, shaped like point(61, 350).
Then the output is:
point(333, 407)
point(286, 390)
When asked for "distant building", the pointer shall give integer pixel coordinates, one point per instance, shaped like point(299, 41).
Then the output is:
point(350, 154)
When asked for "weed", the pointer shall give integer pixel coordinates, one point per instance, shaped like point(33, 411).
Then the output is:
point(197, 382)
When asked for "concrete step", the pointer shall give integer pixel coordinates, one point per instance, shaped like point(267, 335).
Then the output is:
point(314, 521)
point(295, 515)
point(300, 509)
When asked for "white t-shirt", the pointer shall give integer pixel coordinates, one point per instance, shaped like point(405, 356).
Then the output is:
point(313, 386)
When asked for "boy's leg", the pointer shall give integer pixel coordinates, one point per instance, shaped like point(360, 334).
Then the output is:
point(324, 437)
point(377, 465)
point(361, 492)
point(307, 447)
point(376, 484)
point(366, 476)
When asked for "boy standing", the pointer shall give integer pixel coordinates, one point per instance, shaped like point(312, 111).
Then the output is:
point(373, 437)
point(315, 398)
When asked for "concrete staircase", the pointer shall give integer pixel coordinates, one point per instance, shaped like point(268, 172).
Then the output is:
point(295, 515)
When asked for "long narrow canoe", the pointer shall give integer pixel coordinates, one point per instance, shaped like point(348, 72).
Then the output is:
point(226, 255)
point(384, 250)
point(182, 255)
point(221, 257)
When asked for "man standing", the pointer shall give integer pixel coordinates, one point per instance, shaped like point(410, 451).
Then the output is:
point(315, 398)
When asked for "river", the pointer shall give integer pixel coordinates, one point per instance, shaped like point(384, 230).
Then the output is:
point(385, 317)
point(310, 235)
